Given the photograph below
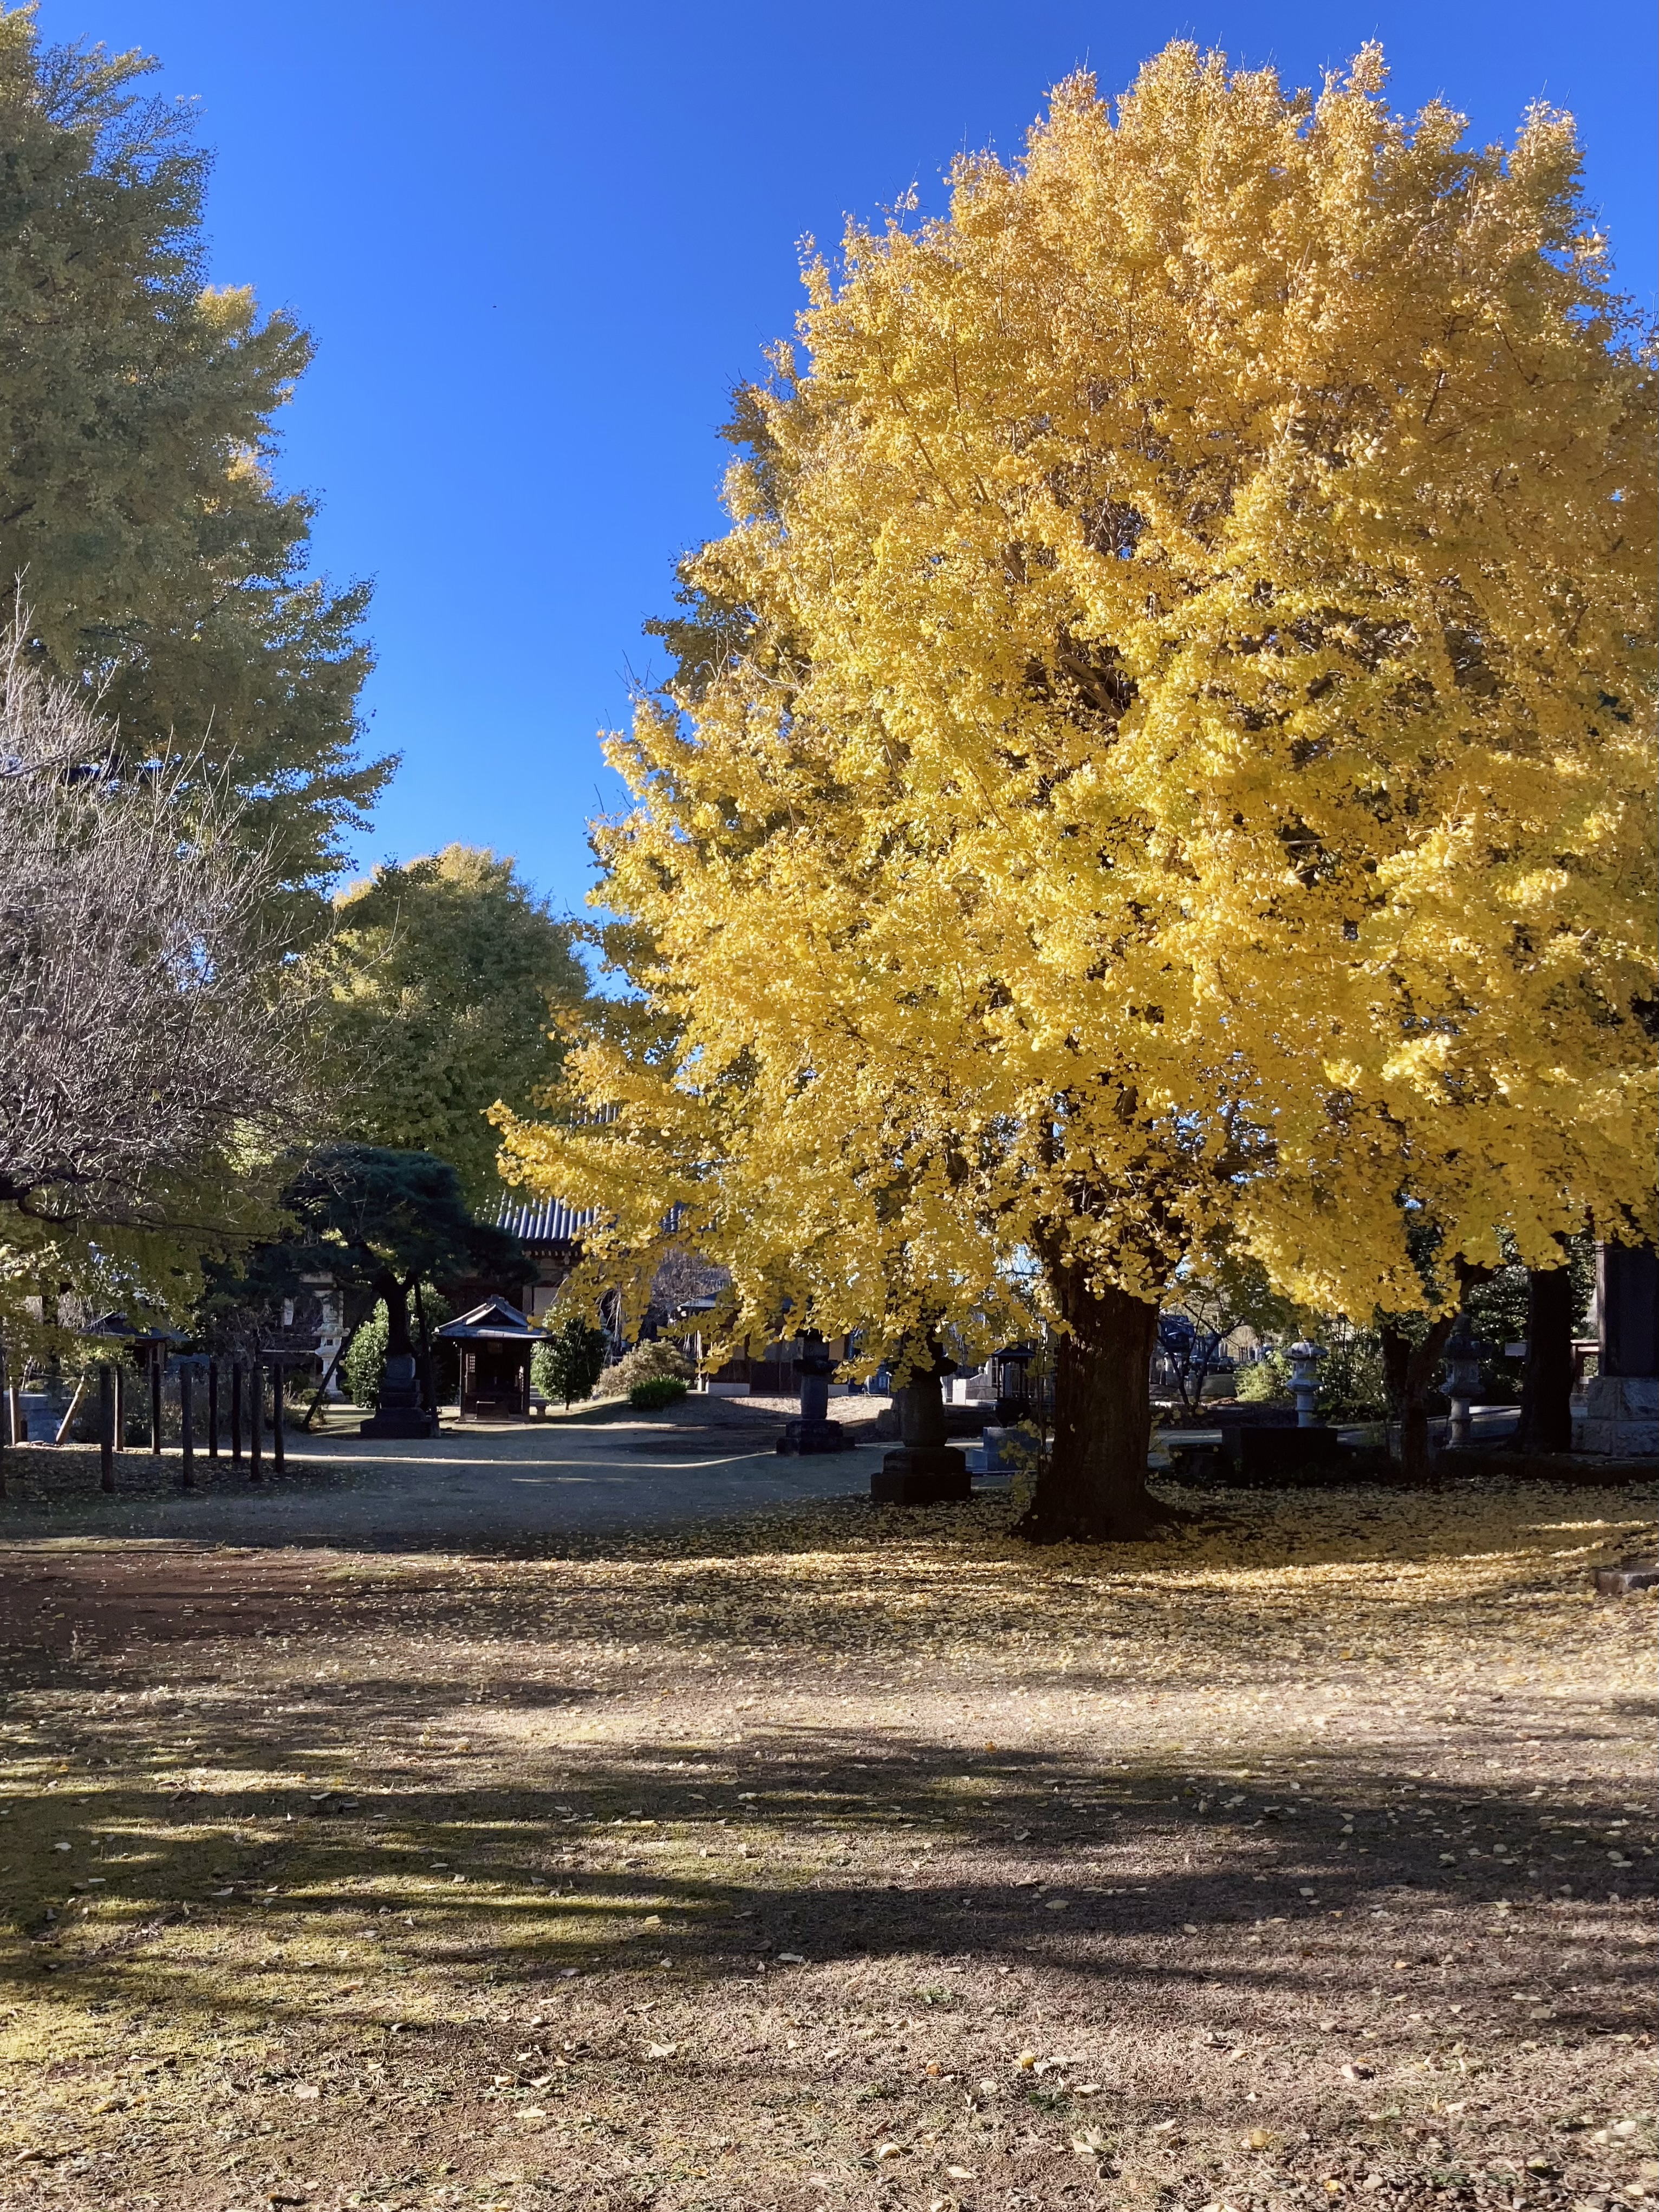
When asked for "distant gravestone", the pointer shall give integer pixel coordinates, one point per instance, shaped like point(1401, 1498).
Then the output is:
point(40, 1419)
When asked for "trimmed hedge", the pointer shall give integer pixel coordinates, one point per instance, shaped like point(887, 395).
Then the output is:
point(659, 1390)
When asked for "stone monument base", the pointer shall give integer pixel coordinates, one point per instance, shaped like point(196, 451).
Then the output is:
point(1267, 1459)
point(802, 1435)
point(921, 1475)
point(1620, 1417)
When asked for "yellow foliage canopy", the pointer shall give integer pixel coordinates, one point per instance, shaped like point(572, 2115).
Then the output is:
point(1189, 767)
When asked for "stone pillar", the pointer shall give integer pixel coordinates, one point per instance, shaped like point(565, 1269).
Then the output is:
point(1621, 1403)
point(812, 1430)
point(924, 1470)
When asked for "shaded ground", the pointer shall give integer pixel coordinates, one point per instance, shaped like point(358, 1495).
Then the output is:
point(602, 1467)
point(834, 1857)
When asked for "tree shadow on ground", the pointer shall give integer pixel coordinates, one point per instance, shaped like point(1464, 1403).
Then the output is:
point(1134, 1879)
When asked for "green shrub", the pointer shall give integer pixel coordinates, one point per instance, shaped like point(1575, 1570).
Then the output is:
point(649, 1362)
point(1351, 1380)
point(656, 1391)
point(566, 1367)
point(1351, 1387)
point(1265, 1382)
point(363, 1369)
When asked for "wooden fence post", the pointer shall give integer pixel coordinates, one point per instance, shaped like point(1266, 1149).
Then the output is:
point(186, 1441)
point(4, 1438)
point(106, 1427)
point(213, 1409)
point(155, 1373)
point(278, 1456)
point(236, 1412)
point(256, 1420)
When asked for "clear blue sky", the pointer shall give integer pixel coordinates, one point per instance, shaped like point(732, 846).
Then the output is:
point(538, 243)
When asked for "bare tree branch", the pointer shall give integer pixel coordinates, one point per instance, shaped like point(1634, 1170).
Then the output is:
point(148, 1016)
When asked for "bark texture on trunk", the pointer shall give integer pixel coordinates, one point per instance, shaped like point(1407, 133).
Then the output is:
point(1093, 1488)
point(1422, 1373)
point(395, 1291)
point(1547, 1379)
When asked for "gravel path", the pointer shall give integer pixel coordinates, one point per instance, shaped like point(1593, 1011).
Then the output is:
point(596, 1470)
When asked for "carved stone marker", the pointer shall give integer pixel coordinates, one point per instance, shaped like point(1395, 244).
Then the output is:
point(400, 1413)
point(924, 1470)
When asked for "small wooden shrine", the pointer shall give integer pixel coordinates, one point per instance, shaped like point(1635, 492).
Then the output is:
point(495, 1341)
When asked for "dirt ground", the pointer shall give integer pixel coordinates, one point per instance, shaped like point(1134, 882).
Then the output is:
point(829, 1857)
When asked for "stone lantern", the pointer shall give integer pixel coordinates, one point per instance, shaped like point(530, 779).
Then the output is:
point(812, 1430)
point(1463, 1355)
point(1304, 1382)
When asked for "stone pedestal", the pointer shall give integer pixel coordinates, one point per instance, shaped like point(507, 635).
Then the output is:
point(400, 1414)
point(811, 1430)
point(921, 1475)
point(1620, 1417)
point(924, 1470)
point(1269, 1459)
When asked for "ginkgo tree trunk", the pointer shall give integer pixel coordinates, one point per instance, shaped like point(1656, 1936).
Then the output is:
point(1164, 749)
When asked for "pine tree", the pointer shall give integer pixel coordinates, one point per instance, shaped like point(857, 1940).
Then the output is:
point(162, 567)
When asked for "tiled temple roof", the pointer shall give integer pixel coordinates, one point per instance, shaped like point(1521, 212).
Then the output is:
point(544, 1220)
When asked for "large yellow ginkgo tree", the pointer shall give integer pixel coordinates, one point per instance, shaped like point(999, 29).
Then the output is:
point(1164, 751)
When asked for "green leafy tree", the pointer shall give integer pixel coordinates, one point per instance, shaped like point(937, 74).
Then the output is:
point(163, 568)
point(374, 1223)
point(571, 1362)
point(447, 975)
point(383, 1221)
